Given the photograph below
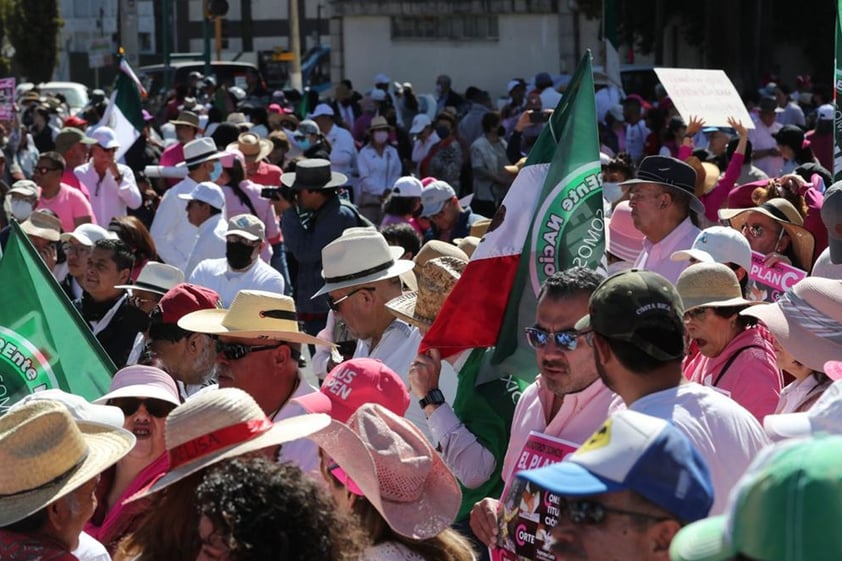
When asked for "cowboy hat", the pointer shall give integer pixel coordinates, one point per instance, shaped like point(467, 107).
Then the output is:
point(360, 256)
point(187, 118)
point(781, 211)
point(218, 424)
point(435, 281)
point(199, 151)
point(251, 146)
point(253, 313)
point(806, 321)
point(313, 173)
point(157, 278)
point(46, 455)
point(393, 465)
point(671, 173)
point(711, 285)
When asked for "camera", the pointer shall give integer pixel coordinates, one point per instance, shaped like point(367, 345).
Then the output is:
point(278, 193)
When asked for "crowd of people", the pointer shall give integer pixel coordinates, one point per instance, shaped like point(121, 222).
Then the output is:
point(704, 410)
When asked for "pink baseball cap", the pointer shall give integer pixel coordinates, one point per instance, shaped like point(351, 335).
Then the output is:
point(622, 238)
point(356, 382)
point(142, 381)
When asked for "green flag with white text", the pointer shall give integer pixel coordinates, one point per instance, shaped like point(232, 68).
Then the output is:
point(44, 342)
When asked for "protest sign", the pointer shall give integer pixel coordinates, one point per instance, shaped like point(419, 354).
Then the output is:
point(769, 283)
point(7, 98)
point(708, 94)
point(528, 512)
point(100, 52)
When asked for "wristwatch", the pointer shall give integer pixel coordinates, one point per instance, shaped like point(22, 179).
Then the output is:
point(433, 397)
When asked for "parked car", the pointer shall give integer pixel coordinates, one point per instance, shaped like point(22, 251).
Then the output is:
point(75, 93)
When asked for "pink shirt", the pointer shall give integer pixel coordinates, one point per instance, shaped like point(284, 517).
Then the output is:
point(69, 178)
point(69, 204)
point(266, 174)
point(265, 212)
point(172, 155)
point(752, 380)
point(656, 257)
point(581, 414)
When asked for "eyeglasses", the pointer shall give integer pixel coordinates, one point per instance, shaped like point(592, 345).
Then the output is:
point(538, 338)
point(44, 169)
point(334, 304)
point(696, 313)
point(155, 407)
point(78, 249)
point(587, 512)
point(755, 230)
point(236, 351)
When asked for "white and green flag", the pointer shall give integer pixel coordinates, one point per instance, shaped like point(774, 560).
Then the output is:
point(124, 113)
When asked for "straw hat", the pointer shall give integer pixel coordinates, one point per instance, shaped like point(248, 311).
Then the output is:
point(480, 227)
point(379, 123)
point(142, 381)
point(437, 248)
point(252, 146)
point(360, 256)
point(218, 424)
point(42, 225)
point(187, 118)
point(710, 284)
point(156, 277)
point(253, 313)
point(45, 455)
point(806, 321)
point(468, 244)
point(396, 468)
point(435, 281)
point(199, 151)
point(781, 211)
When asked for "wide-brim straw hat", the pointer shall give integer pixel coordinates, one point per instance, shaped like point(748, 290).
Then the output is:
point(157, 278)
point(434, 249)
point(252, 146)
point(435, 281)
point(253, 314)
point(187, 118)
point(218, 424)
point(707, 175)
point(313, 173)
point(711, 285)
point(806, 321)
point(379, 123)
point(45, 455)
point(781, 211)
point(138, 380)
point(468, 244)
point(360, 256)
point(396, 468)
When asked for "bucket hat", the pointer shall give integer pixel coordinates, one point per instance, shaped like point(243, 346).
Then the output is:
point(253, 313)
point(360, 256)
point(395, 467)
point(435, 281)
point(156, 277)
point(712, 285)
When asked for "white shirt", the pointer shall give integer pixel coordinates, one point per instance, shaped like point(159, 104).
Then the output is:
point(656, 257)
point(550, 98)
point(636, 139)
point(726, 435)
point(303, 452)
point(420, 149)
point(174, 236)
point(762, 138)
point(209, 242)
point(343, 153)
point(89, 549)
point(110, 198)
point(378, 173)
point(217, 275)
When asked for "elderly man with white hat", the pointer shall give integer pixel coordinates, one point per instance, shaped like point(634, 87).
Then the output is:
point(205, 206)
point(241, 268)
point(114, 187)
point(51, 465)
point(343, 152)
point(258, 346)
point(173, 235)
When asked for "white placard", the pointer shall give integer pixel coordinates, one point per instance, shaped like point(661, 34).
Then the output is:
point(708, 94)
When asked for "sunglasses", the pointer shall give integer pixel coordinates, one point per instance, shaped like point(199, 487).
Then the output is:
point(538, 338)
point(236, 351)
point(588, 512)
point(334, 304)
point(155, 407)
point(43, 170)
point(696, 313)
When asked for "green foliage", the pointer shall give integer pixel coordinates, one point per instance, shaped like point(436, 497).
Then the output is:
point(33, 27)
point(5, 62)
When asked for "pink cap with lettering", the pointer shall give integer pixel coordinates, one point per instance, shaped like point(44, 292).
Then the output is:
point(356, 382)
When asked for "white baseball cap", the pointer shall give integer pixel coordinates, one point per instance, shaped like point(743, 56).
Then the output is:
point(321, 110)
point(419, 123)
point(105, 137)
point(206, 192)
point(407, 187)
point(718, 244)
point(89, 234)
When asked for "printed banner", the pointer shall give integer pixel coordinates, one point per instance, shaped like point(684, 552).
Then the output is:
point(769, 283)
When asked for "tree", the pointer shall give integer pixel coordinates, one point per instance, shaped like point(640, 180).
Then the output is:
point(33, 27)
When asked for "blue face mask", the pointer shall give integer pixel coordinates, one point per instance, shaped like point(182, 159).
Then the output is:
point(304, 144)
point(217, 171)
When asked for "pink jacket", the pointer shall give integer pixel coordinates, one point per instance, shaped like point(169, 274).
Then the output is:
point(752, 379)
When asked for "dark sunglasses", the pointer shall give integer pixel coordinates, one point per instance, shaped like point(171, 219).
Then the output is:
point(538, 338)
point(588, 512)
point(696, 313)
point(334, 304)
point(236, 351)
point(43, 170)
point(155, 407)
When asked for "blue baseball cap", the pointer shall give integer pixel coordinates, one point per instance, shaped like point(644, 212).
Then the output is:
point(636, 452)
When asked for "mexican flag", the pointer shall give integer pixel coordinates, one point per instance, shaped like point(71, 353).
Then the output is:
point(44, 342)
point(124, 112)
point(550, 220)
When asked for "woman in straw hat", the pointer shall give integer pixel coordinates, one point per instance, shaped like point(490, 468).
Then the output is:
point(145, 395)
point(212, 426)
point(380, 167)
point(252, 509)
point(383, 470)
point(733, 354)
point(806, 323)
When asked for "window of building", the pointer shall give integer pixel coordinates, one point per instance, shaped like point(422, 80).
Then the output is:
point(446, 27)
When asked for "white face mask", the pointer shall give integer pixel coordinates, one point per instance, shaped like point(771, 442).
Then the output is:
point(611, 191)
point(380, 137)
point(20, 209)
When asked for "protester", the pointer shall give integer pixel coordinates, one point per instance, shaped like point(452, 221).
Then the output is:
point(21, 200)
point(43, 230)
point(77, 247)
point(765, 153)
point(732, 353)
point(719, 244)
point(379, 168)
point(343, 151)
point(448, 219)
point(823, 416)
point(444, 158)
point(205, 206)
point(403, 205)
point(623, 242)
point(135, 234)
point(488, 160)
point(71, 206)
point(186, 131)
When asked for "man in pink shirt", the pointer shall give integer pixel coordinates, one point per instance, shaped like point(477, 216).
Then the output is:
point(73, 145)
point(69, 204)
point(567, 399)
point(186, 129)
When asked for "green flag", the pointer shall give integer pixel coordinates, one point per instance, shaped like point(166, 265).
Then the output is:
point(44, 342)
